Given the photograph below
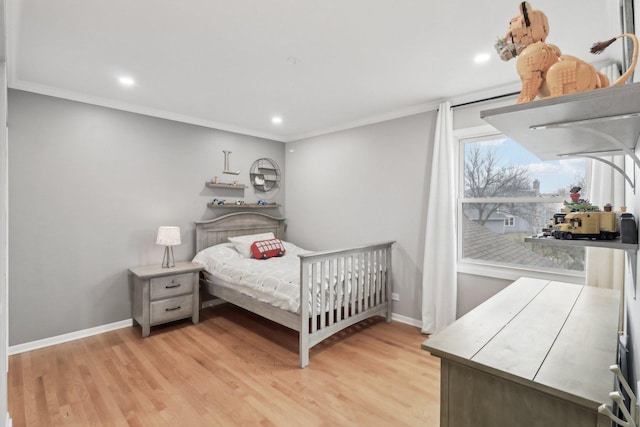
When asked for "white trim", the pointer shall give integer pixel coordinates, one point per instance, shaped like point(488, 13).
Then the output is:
point(59, 339)
point(475, 132)
point(409, 111)
point(511, 273)
point(391, 115)
point(138, 109)
point(551, 199)
point(8, 422)
point(407, 320)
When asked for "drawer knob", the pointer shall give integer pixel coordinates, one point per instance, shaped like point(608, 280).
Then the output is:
point(173, 309)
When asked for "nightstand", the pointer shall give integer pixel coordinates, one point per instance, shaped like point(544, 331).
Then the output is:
point(162, 295)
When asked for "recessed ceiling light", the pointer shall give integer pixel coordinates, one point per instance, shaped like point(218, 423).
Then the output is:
point(481, 58)
point(126, 81)
point(276, 120)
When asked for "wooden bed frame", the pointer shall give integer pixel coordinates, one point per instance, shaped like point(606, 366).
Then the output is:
point(371, 281)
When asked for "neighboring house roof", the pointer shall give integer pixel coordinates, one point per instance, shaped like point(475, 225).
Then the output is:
point(481, 243)
point(473, 215)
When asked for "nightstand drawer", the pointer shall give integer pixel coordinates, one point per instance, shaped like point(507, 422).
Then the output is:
point(177, 284)
point(171, 309)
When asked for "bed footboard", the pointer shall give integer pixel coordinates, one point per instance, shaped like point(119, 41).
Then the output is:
point(340, 288)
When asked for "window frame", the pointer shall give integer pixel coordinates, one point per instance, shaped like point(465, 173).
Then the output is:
point(488, 268)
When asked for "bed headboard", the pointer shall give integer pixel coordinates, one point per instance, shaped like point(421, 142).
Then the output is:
point(216, 231)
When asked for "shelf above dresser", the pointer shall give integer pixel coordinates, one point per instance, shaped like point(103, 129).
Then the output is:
point(611, 244)
point(595, 123)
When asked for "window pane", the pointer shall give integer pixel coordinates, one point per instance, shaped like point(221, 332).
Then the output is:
point(491, 240)
point(500, 167)
point(497, 168)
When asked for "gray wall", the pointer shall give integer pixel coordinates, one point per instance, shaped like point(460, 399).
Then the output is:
point(3, 243)
point(365, 185)
point(88, 188)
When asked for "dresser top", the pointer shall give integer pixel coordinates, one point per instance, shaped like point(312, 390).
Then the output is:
point(148, 271)
point(557, 337)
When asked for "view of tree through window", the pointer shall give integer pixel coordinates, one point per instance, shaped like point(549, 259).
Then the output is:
point(507, 194)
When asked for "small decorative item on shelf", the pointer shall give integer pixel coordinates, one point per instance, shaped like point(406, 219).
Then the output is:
point(263, 202)
point(608, 207)
point(218, 202)
point(214, 180)
point(628, 228)
point(239, 202)
point(588, 225)
point(575, 194)
point(578, 204)
point(544, 71)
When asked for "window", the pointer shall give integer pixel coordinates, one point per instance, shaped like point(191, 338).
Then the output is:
point(505, 195)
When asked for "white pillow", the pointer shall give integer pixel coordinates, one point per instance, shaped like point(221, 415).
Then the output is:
point(242, 244)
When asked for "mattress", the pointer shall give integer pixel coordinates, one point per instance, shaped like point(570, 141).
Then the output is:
point(275, 281)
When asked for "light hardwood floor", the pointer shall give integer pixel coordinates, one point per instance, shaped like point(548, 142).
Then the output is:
point(232, 369)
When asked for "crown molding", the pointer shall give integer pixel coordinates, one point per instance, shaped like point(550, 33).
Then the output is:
point(409, 111)
point(138, 109)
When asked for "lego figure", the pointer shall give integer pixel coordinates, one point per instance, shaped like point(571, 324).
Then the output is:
point(544, 71)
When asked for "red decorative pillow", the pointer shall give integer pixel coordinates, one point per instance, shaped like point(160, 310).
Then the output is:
point(263, 249)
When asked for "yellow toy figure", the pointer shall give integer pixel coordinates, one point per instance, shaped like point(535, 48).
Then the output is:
point(544, 71)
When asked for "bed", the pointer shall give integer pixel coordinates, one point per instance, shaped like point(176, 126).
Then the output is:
point(337, 288)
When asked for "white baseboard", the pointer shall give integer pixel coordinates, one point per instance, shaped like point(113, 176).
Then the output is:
point(59, 339)
point(408, 320)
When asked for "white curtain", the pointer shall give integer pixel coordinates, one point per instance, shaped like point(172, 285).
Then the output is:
point(439, 270)
point(604, 268)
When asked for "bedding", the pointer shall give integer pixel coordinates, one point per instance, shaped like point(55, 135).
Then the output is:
point(275, 281)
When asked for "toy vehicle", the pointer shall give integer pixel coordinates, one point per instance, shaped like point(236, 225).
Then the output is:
point(588, 225)
point(558, 218)
point(264, 249)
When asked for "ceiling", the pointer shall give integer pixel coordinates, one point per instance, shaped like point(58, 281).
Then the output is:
point(320, 65)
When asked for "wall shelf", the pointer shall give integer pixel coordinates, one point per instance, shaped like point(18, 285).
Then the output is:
point(244, 206)
point(601, 122)
point(630, 248)
point(225, 185)
point(611, 244)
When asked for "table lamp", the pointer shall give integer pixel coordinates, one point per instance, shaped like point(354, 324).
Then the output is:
point(168, 236)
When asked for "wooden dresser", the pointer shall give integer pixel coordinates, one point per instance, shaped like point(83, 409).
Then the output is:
point(535, 354)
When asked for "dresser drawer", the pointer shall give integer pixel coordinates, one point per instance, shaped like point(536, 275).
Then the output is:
point(167, 286)
point(170, 309)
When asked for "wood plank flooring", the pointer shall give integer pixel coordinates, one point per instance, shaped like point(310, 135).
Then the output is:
point(232, 369)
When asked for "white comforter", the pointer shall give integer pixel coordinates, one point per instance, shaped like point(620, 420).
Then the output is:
point(275, 281)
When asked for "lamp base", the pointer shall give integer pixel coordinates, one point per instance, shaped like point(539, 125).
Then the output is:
point(168, 261)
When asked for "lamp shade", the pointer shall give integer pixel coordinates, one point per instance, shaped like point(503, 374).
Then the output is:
point(168, 236)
